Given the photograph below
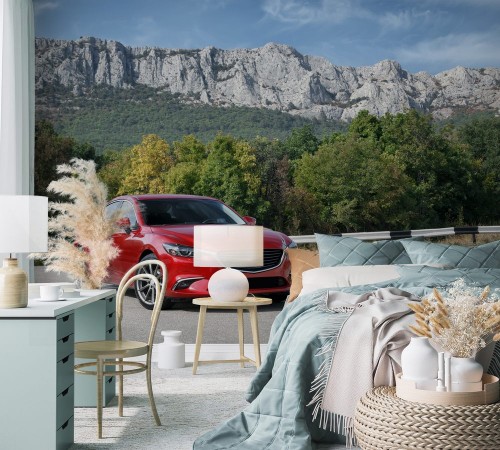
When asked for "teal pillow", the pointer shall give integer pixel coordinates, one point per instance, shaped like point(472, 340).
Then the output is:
point(434, 276)
point(348, 251)
point(448, 255)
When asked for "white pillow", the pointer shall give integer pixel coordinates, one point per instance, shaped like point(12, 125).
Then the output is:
point(344, 276)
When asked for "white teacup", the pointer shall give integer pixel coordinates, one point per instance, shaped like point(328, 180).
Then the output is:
point(50, 292)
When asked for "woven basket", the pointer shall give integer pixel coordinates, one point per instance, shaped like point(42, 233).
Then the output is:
point(384, 421)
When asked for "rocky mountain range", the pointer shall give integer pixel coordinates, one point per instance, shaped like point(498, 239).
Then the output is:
point(274, 76)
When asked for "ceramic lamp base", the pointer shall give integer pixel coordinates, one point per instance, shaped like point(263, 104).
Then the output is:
point(13, 285)
point(228, 285)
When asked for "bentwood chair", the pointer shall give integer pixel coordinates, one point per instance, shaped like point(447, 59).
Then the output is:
point(112, 353)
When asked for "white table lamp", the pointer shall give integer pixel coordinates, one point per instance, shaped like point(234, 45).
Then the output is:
point(228, 246)
point(23, 229)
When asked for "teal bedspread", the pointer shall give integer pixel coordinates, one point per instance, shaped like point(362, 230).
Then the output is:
point(277, 417)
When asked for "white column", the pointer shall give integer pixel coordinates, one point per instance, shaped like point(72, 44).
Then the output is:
point(17, 101)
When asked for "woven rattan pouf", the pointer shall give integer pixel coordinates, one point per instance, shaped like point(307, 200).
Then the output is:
point(384, 421)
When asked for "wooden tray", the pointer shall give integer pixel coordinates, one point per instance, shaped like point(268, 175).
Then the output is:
point(406, 390)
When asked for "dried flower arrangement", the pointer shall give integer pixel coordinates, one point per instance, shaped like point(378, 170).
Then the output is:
point(461, 322)
point(80, 241)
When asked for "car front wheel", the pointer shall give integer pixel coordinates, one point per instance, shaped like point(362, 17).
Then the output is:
point(145, 290)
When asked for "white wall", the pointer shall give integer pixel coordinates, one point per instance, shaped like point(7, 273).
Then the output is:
point(17, 101)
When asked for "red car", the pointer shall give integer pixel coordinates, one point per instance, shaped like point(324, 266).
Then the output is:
point(161, 227)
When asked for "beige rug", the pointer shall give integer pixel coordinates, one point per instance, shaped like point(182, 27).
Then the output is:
point(188, 406)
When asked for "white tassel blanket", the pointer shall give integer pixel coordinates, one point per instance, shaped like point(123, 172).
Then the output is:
point(363, 353)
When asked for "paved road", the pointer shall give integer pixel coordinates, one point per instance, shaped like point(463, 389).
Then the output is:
point(220, 326)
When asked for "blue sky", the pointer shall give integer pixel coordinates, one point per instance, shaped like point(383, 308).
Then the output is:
point(430, 35)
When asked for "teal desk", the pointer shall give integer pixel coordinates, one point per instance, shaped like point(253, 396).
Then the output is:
point(38, 387)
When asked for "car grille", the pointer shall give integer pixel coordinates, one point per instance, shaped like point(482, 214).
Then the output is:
point(272, 258)
point(266, 283)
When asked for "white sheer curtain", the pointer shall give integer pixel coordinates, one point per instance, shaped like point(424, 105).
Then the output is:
point(17, 99)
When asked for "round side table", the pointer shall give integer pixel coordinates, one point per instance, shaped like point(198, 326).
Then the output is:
point(250, 304)
point(385, 421)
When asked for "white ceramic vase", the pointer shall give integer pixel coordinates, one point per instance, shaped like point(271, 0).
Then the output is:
point(466, 375)
point(171, 352)
point(419, 363)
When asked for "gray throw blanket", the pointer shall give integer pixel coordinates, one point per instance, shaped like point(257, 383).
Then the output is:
point(366, 354)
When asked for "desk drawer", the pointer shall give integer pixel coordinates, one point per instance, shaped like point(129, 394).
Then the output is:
point(65, 375)
point(111, 333)
point(65, 346)
point(65, 325)
point(65, 434)
point(65, 406)
point(110, 320)
point(110, 304)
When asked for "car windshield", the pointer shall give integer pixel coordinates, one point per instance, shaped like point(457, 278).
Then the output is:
point(187, 211)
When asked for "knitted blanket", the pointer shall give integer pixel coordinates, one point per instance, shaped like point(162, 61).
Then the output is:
point(367, 353)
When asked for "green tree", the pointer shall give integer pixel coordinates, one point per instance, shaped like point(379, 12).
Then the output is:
point(230, 174)
point(114, 165)
point(438, 170)
point(354, 186)
point(189, 149)
point(482, 138)
point(366, 126)
point(275, 171)
point(149, 162)
point(51, 150)
point(189, 156)
point(301, 140)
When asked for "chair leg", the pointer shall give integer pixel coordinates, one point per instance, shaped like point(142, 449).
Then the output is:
point(150, 393)
point(120, 391)
point(99, 370)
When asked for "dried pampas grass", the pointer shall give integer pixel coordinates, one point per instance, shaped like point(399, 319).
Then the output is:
point(461, 321)
point(80, 241)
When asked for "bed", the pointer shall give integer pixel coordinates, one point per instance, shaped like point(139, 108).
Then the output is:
point(305, 391)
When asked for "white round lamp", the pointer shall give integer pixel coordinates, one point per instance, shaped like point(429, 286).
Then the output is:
point(228, 246)
point(228, 285)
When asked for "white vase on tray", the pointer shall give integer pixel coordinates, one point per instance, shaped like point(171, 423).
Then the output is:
point(466, 375)
point(419, 363)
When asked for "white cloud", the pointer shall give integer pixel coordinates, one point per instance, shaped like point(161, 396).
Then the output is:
point(41, 6)
point(403, 19)
point(305, 12)
point(468, 49)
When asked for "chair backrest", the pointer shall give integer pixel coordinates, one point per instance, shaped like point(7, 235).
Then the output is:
point(131, 277)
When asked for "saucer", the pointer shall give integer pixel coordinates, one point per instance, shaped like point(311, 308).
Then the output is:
point(71, 294)
point(50, 300)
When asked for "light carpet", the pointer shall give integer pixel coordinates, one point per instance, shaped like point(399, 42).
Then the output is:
point(188, 406)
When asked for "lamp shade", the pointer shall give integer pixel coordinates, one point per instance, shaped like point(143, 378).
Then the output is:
point(24, 224)
point(228, 246)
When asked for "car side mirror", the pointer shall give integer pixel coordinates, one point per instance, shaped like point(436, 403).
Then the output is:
point(124, 224)
point(250, 220)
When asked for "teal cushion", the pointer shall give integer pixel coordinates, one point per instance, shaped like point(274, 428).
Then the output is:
point(486, 255)
point(348, 251)
point(434, 276)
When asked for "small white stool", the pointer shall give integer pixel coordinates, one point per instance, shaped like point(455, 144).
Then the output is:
point(171, 352)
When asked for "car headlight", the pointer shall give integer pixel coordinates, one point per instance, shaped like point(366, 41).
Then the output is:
point(284, 245)
point(178, 250)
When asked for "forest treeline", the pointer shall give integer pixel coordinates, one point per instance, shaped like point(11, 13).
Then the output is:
point(394, 172)
point(114, 118)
